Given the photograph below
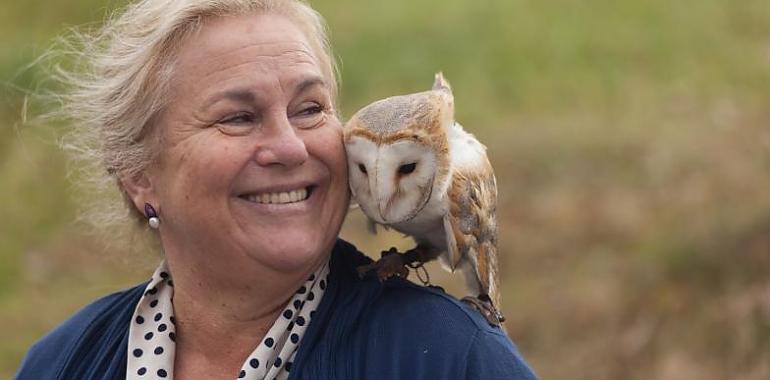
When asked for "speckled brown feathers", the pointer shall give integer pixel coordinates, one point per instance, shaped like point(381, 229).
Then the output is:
point(472, 218)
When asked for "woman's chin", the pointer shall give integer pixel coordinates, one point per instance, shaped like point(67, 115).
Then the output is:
point(292, 253)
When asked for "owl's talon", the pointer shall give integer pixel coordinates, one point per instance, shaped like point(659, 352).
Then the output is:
point(391, 263)
point(484, 305)
point(391, 251)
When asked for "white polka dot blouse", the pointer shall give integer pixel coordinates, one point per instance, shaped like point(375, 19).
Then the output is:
point(151, 339)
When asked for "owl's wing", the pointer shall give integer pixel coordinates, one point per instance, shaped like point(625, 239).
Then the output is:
point(471, 223)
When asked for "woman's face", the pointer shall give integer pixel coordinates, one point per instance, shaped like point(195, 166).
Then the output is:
point(251, 162)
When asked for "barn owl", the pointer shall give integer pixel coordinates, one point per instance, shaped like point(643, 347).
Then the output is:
point(413, 168)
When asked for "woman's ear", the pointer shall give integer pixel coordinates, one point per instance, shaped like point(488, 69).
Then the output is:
point(140, 190)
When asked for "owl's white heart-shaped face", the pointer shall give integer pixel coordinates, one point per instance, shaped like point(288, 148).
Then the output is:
point(391, 182)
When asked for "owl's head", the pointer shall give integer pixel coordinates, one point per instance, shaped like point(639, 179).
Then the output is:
point(398, 152)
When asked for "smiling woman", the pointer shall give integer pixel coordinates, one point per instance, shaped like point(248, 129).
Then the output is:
point(217, 121)
point(256, 121)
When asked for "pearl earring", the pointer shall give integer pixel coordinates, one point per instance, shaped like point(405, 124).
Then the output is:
point(152, 216)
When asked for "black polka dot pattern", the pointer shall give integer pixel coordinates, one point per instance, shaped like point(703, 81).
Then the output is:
point(152, 336)
point(274, 356)
point(151, 341)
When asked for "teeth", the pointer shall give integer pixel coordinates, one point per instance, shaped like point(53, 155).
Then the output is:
point(279, 198)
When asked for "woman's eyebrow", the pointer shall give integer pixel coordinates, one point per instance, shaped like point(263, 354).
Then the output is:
point(308, 83)
point(242, 95)
point(245, 95)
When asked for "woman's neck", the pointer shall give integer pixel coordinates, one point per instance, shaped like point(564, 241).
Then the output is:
point(214, 340)
point(223, 311)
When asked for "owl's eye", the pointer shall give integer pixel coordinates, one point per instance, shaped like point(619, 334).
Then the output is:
point(362, 168)
point(408, 168)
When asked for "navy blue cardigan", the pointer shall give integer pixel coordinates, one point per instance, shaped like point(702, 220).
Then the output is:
point(362, 330)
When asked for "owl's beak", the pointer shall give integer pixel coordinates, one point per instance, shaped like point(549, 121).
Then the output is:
point(382, 206)
point(382, 194)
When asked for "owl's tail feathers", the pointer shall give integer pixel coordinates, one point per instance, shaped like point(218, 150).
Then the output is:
point(483, 283)
point(441, 84)
point(487, 272)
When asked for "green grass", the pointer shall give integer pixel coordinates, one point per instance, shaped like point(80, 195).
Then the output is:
point(630, 143)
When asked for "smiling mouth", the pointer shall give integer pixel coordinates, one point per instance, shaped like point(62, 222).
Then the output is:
point(283, 197)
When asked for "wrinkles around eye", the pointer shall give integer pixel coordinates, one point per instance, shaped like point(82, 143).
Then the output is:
point(237, 124)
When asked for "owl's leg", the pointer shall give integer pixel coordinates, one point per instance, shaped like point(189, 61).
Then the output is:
point(417, 257)
point(421, 254)
point(484, 305)
point(391, 263)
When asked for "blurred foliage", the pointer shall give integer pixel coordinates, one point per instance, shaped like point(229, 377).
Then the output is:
point(630, 140)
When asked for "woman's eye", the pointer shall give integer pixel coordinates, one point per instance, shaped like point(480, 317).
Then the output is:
point(239, 118)
point(309, 115)
point(237, 124)
point(314, 109)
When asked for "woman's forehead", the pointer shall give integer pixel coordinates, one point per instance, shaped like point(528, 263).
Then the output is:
point(226, 33)
point(243, 48)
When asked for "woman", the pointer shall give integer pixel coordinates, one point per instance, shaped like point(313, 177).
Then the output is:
point(217, 119)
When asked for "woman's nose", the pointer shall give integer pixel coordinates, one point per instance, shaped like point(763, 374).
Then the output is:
point(280, 144)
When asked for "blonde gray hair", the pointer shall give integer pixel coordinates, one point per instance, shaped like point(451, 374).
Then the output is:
point(119, 82)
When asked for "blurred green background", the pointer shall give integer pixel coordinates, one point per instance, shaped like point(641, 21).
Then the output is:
point(631, 141)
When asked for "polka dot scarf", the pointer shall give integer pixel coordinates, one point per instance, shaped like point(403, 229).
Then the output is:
point(152, 336)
